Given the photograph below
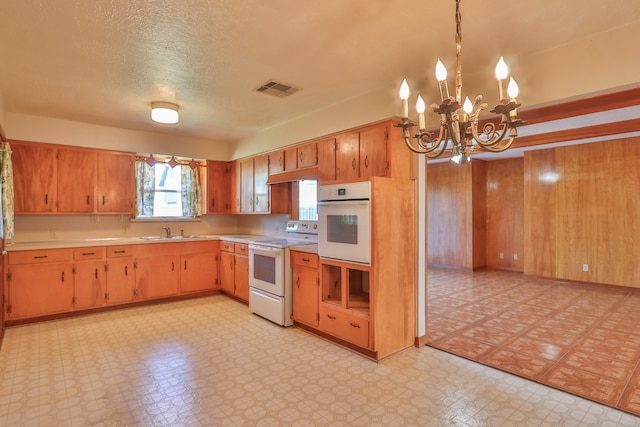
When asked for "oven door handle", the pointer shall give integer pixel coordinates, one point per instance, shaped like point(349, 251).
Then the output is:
point(344, 202)
point(270, 252)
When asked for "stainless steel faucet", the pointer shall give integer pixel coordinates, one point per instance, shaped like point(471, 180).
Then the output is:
point(168, 230)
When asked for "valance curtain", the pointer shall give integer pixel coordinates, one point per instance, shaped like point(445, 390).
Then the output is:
point(6, 190)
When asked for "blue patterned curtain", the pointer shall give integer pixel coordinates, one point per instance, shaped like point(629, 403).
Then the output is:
point(191, 192)
point(146, 181)
point(6, 191)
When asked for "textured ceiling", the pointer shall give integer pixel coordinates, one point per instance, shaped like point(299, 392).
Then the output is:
point(105, 61)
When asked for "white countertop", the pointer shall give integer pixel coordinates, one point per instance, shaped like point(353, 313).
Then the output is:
point(114, 241)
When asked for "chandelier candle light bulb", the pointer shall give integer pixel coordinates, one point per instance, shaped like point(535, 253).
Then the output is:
point(404, 95)
point(441, 76)
point(502, 71)
point(420, 107)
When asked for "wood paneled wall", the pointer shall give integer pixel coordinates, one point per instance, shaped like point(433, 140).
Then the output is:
point(505, 214)
point(456, 218)
point(582, 206)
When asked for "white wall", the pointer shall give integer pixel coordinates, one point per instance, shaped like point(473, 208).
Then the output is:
point(57, 131)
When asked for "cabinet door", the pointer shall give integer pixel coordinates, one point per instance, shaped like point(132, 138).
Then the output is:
point(326, 160)
point(241, 277)
point(236, 187)
point(34, 178)
point(157, 276)
point(36, 290)
point(290, 159)
point(307, 155)
point(305, 295)
point(120, 280)
point(89, 284)
point(76, 180)
point(227, 261)
point(373, 152)
point(198, 272)
point(276, 162)
point(116, 187)
point(260, 188)
point(246, 192)
point(218, 186)
point(347, 157)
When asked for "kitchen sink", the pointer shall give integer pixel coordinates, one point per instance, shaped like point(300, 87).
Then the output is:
point(190, 236)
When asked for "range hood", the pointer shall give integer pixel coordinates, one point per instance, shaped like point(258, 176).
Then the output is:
point(293, 175)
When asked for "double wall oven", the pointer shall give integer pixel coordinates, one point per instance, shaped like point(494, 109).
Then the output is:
point(344, 222)
point(270, 275)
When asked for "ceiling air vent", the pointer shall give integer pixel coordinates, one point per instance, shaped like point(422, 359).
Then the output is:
point(280, 90)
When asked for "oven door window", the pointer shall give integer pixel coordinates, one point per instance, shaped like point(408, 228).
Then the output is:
point(342, 229)
point(264, 268)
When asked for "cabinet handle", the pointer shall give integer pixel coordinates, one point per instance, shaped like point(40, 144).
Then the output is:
point(300, 157)
point(88, 199)
point(173, 266)
point(126, 270)
point(366, 161)
point(306, 260)
point(298, 281)
point(119, 252)
point(355, 325)
point(353, 164)
point(103, 200)
point(185, 265)
point(62, 277)
point(88, 253)
point(280, 161)
point(41, 256)
point(96, 273)
point(213, 203)
point(331, 317)
point(46, 199)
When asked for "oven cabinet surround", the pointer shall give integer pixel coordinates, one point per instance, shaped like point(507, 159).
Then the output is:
point(306, 288)
point(370, 308)
point(52, 178)
point(57, 281)
point(234, 269)
point(374, 150)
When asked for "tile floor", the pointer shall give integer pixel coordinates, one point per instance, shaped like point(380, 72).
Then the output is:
point(209, 362)
point(580, 338)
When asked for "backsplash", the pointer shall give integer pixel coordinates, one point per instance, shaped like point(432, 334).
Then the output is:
point(37, 228)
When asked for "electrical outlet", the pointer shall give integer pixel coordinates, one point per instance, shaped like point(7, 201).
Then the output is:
point(515, 256)
point(501, 255)
point(585, 267)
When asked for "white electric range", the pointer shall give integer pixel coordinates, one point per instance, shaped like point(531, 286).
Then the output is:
point(270, 274)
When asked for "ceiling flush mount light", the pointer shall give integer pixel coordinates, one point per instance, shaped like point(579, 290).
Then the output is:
point(458, 120)
point(164, 112)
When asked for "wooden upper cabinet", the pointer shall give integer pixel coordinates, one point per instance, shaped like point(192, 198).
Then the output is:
point(116, 182)
point(236, 187)
point(218, 185)
point(373, 151)
point(260, 187)
point(307, 155)
point(276, 161)
point(348, 156)
point(34, 177)
point(246, 184)
point(291, 159)
point(76, 181)
point(326, 159)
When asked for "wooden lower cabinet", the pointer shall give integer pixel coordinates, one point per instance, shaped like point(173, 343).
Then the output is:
point(234, 269)
point(56, 281)
point(199, 267)
point(344, 325)
point(306, 284)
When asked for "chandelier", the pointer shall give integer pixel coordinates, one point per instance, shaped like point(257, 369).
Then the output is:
point(459, 121)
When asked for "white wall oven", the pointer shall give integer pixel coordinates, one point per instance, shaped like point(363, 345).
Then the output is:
point(344, 222)
point(270, 275)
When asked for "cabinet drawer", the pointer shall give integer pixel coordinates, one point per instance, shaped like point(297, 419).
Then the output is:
point(304, 259)
point(88, 253)
point(39, 256)
point(242, 248)
point(226, 246)
point(118, 251)
point(347, 327)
